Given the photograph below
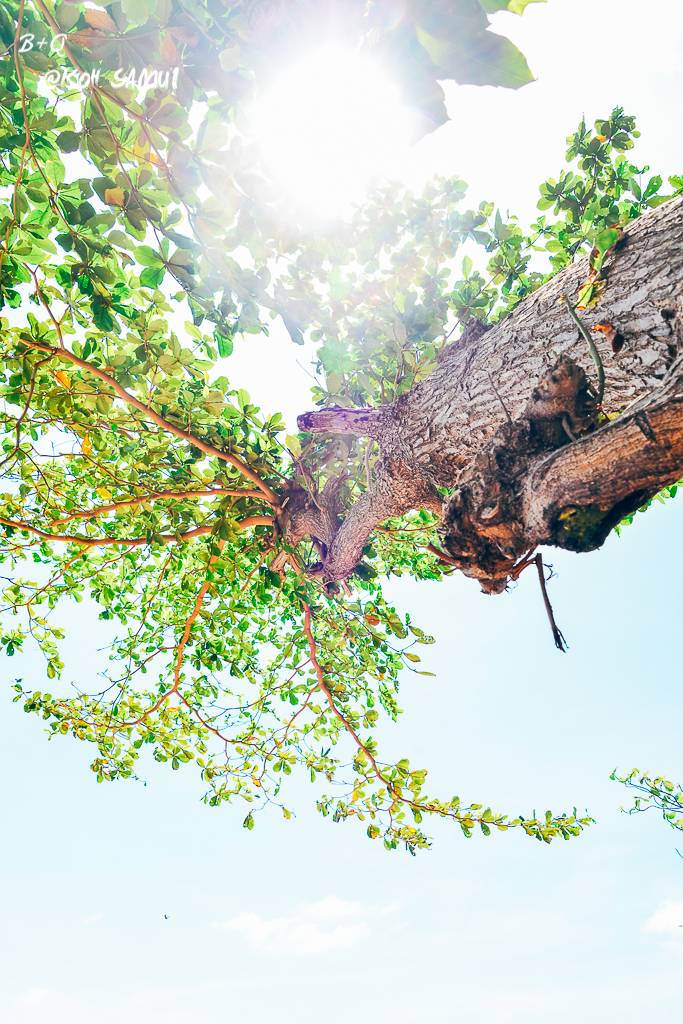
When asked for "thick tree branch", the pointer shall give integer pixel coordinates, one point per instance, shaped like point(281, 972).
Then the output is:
point(334, 420)
point(574, 497)
point(495, 422)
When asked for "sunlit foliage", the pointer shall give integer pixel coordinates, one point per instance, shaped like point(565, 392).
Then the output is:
point(139, 236)
point(654, 792)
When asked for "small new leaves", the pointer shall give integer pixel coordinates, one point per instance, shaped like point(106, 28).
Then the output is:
point(654, 792)
point(294, 445)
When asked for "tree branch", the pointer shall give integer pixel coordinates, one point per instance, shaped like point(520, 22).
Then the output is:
point(575, 496)
point(519, 484)
point(166, 538)
point(335, 420)
point(233, 460)
point(101, 510)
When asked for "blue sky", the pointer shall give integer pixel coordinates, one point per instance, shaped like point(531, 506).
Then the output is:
point(305, 920)
point(300, 918)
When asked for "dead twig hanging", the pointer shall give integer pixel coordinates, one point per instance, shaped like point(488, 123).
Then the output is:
point(560, 641)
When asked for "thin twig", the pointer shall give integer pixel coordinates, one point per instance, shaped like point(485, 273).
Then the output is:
point(199, 602)
point(443, 557)
point(507, 414)
point(523, 564)
point(591, 345)
point(560, 641)
point(335, 710)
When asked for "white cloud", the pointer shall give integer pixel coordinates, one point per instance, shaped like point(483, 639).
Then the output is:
point(667, 919)
point(332, 923)
point(332, 907)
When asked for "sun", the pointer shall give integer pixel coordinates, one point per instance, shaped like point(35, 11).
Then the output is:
point(330, 122)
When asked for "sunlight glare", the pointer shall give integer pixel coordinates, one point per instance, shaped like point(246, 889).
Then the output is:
point(329, 123)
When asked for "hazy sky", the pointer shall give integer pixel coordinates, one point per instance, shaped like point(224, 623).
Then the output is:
point(303, 920)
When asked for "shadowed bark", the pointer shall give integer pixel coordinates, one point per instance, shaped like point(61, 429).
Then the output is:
point(509, 421)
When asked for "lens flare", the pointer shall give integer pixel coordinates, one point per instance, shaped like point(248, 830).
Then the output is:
point(330, 122)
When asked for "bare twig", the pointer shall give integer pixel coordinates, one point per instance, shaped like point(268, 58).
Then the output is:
point(591, 345)
point(567, 429)
point(560, 641)
point(498, 396)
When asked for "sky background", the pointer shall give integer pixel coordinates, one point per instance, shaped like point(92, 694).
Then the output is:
point(305, 920)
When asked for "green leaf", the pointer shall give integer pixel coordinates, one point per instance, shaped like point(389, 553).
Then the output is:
point(488, 59)
point(653, 185)
point(514, 6)
point(230, 58)
point(606, 239)
point(103, 319)
point(121, 239)
point(294, 445)
point(147, 256)
point(69, 142)
point(151, 277)
point(225, 345)
point(138, 11)
point(294, 332)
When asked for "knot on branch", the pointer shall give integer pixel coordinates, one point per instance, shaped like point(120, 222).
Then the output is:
point(564, 392)
point(307, 512)
point(483, 527)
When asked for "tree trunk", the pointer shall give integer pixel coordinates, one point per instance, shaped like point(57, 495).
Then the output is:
point(509, 420)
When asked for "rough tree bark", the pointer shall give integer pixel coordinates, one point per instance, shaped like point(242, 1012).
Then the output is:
point(509, 421)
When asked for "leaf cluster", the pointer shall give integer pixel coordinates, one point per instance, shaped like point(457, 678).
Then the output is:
point(654, 792)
